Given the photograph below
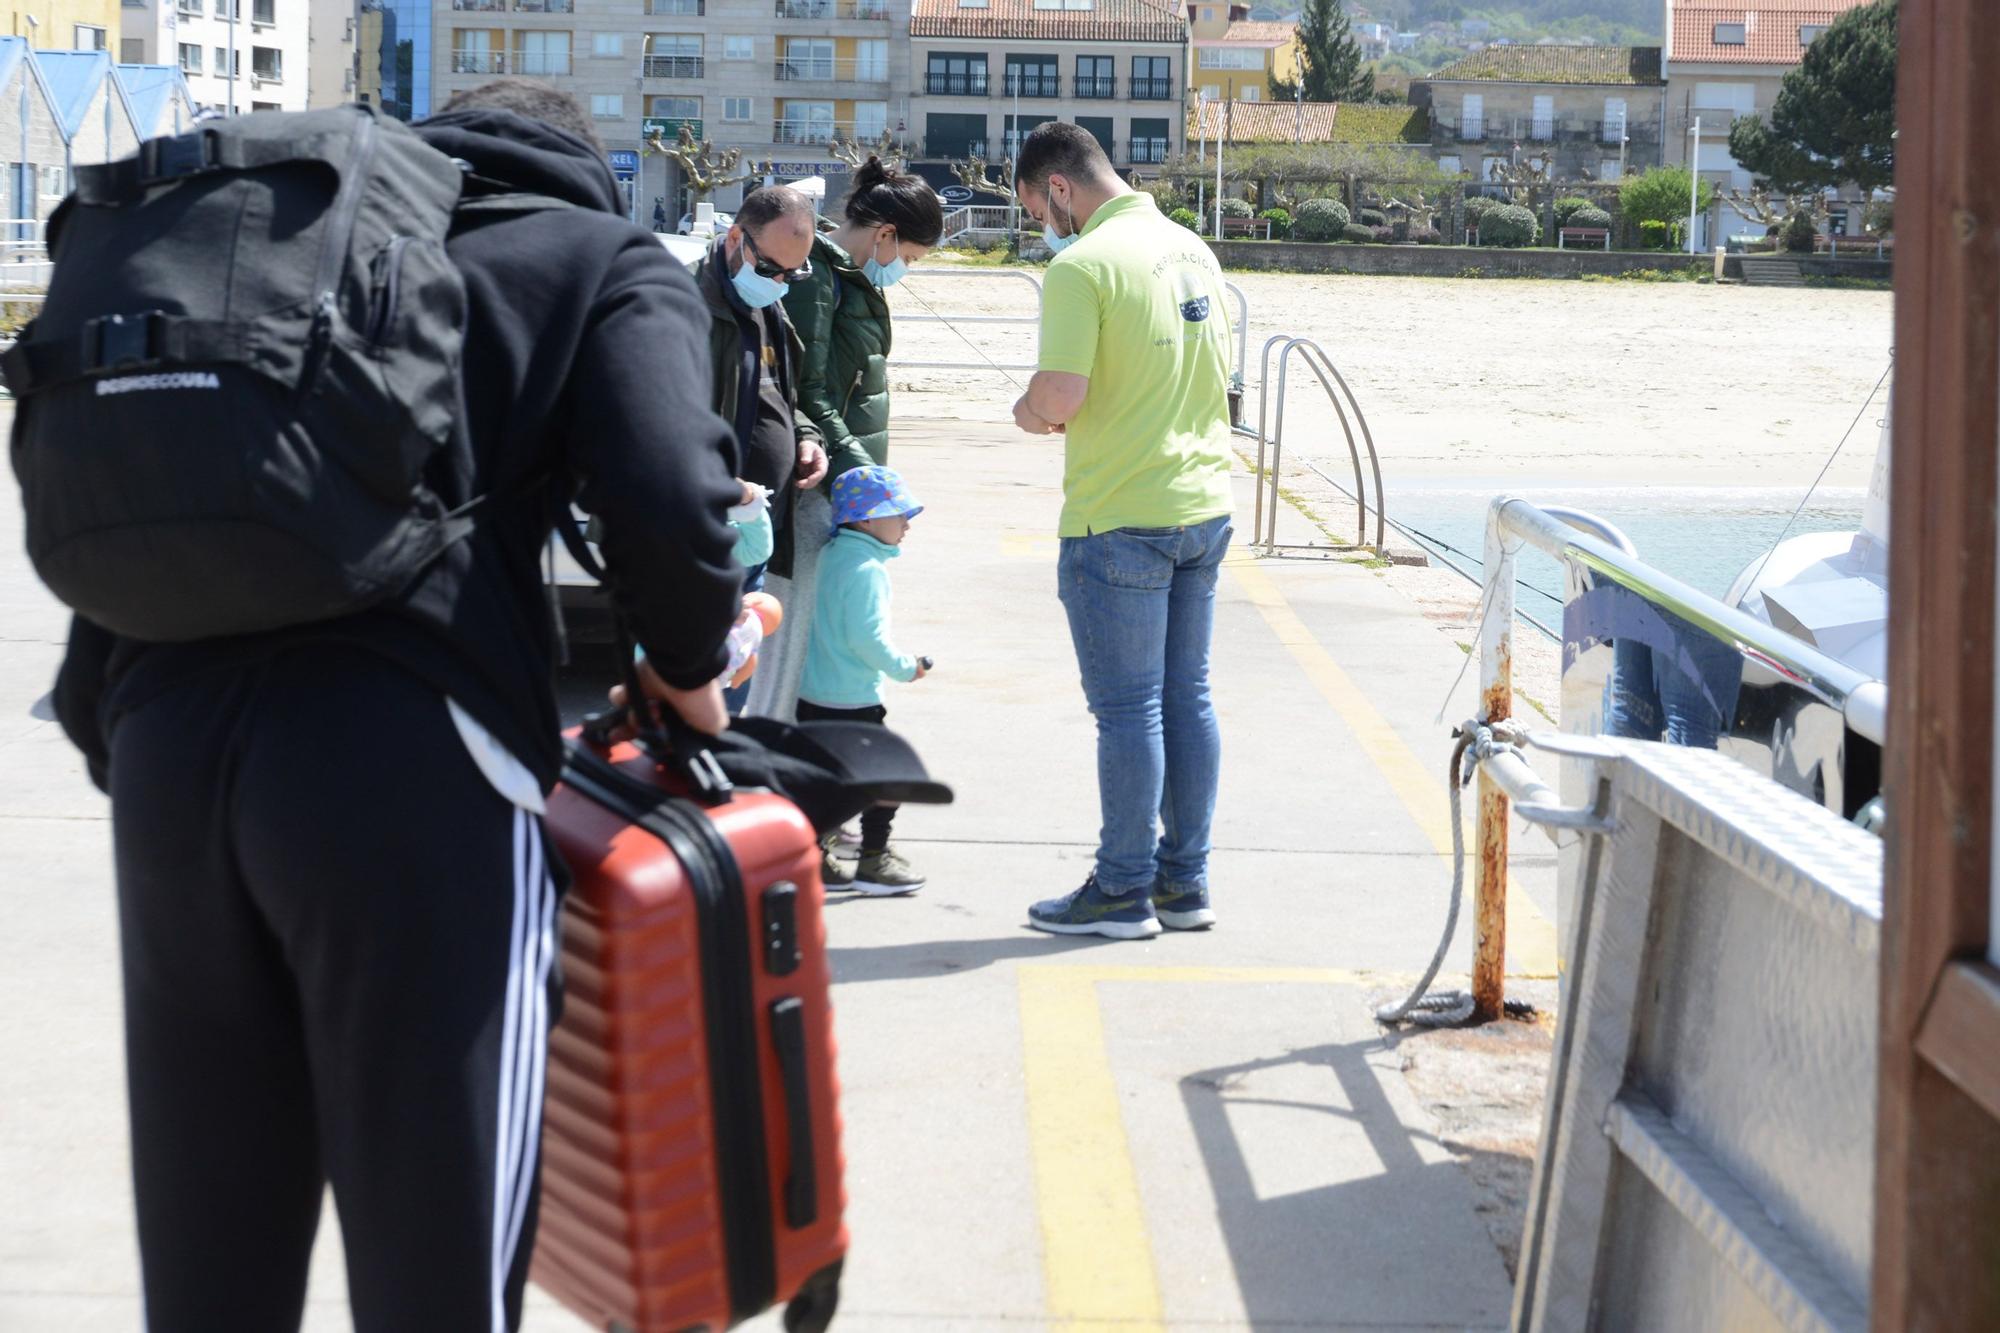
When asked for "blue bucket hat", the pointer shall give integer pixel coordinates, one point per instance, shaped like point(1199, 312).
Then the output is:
point(871, 492)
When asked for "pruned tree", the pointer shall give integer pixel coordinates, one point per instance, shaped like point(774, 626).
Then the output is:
point(972, 175)
point(1422, 214)
point(854, 152)
point(1774, 211)
point(703, 168)
point(1529, 183)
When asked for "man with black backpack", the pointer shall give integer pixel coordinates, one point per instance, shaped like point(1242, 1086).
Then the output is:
point(313, 657)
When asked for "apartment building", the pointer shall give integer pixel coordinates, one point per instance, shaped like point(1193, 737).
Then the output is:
point(1235, 57)
point(62, 25)
point(237, 55)
point(989, 71)
point(330, 65)
point(775, 79)
point(1589, 111)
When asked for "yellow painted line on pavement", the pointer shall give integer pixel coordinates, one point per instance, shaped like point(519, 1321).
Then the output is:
point(1531, 938)
point(1093, 1220)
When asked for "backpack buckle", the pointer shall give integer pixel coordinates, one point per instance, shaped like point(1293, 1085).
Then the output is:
point(120, 342)
point(184, 155)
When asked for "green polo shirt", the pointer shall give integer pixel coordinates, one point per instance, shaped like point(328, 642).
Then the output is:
point(1137, 304)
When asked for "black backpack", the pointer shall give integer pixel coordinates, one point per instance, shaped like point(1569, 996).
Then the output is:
point(248, 357)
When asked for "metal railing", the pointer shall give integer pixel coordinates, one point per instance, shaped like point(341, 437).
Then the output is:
point(957, 85)
point(1016, 84)
point(810, 131)
point(545, 6)
point(676, 67)
point(1271, 437)
point(1151, 90)
point(954, 149)
point(832, 9)
point(983, 219)
point(677, 8)
point(541, 63)
point(478, 62)
point(1094, 88)
point(831, 69)
point(1149, 152)
point(480, 6)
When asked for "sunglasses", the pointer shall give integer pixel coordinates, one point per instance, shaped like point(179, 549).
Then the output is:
point(765, 268)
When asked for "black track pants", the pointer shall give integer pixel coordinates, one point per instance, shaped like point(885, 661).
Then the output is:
point(337, 949)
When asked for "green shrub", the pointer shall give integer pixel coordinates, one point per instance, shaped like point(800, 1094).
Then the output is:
point(1800, 233)
point(1589, 217)
point(1425, 236)
point(1320, 220)
point(1880, 217)
point(1165, 195)
point(1186, 217)
point(1358, 234)
point(1509, 225)
point(1569, 208)
point(1653, 234)
point(1372, 217)
point(1280, 220)
point(1476, 206)
point(1384, 235)
point(1663, 195)
point(1238, 208)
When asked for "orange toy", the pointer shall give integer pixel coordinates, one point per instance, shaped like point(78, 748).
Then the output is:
point(765, 613)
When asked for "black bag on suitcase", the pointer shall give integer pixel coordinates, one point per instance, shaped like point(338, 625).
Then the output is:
point(248, 356)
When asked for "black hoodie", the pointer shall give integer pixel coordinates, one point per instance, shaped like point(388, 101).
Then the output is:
point(586, 366)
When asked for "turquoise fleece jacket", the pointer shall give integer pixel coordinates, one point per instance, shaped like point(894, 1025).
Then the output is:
point(850, 652)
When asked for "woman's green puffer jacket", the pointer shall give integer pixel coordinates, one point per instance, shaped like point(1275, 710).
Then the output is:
point(843, 319)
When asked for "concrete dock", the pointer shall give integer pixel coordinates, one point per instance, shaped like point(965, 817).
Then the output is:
point(1199, 1131)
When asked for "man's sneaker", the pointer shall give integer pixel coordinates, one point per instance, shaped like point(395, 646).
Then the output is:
point(1186, 909)
point(837, 875)
point(885, 874)
point(847, 836)
point(1092, 911)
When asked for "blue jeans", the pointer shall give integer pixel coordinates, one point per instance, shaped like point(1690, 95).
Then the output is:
point(1141, 604)
point(735, 696)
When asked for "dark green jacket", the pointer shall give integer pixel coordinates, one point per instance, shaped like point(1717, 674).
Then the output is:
point(725, 346)
point(843, 319)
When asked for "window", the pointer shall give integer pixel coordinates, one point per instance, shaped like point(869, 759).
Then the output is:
point(608, 44)
point(952, 134)
point(1252, 93)
point(264, 13)
point(54, 183)
point(541, 53)
point(972, 4)
point(1033, 76)
point(738, 110)
point(674, 56)
point(1152, 78)
point(1010, 143)
point(807, 58)
point(267, 64)
point(739, 48)
point(805, 122)
point(1451, 164)
point(1150, 141)
point(678, 8)
point(1810, 33)
point(1614, 120)
point(1099, 128)
point(472, 51)
point(1211, 92)
point(89, 38)
point(607, 106)
point(948, 75)
point(1611, 169)
point(1065, 4)
point(1543, 127)
point(1718, 104)
point(1731, 34)
point(674, 108)
point(222, 61)
point(1472, 117)
point(266, 106)
point(1096, 77)
point(871, 60)
point(1207, 15)
point(1228, 57)
point(132, 51)
point(871, 120)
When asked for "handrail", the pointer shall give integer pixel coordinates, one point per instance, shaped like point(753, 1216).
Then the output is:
point(952, 321)
point(1860, 698)
point(1263, 529)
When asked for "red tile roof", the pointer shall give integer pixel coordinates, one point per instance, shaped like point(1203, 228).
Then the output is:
point(1771, 30)
point(1019, 20)
point(1255, 34)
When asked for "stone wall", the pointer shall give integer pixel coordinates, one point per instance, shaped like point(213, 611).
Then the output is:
point(1443, 261)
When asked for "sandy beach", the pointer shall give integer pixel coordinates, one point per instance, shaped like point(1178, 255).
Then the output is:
point(1518, 381)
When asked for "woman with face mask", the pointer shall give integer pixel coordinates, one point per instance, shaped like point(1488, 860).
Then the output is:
point(891, 220)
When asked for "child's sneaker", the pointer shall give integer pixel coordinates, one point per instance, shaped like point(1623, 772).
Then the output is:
point(836, 875)
point(885, 874)
point(1183, 908)
point(1092, 911)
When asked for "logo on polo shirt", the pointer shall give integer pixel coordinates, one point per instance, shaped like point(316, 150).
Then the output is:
point(1193, 301)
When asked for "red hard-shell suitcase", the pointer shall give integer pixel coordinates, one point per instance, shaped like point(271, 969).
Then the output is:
point(691, 1170)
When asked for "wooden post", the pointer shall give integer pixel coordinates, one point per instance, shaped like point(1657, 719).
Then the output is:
point(1937, 1202)
point(1496, 704)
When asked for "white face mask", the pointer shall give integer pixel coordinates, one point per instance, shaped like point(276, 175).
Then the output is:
point(1057, 244)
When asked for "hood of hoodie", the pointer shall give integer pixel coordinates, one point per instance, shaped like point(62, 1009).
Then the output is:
point(528, 155)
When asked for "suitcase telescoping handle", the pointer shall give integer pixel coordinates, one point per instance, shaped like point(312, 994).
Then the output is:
point(788, 1038)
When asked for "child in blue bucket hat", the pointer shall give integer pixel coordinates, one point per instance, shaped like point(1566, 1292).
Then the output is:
point(851, 652)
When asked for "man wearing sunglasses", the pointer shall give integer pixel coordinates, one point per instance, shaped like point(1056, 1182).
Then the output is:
point(756, 357)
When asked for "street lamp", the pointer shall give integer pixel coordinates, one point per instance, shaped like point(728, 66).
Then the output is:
point(1694, 180)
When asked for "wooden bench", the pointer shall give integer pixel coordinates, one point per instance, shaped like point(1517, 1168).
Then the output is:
point(1256, 228)
point(1568, 234)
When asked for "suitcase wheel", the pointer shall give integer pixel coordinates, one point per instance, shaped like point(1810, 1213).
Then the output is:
point(812, 1309)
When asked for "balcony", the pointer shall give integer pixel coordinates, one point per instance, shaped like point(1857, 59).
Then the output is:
point(951, 149)
point(809, 132)
point(480, 6)
point(541, 64)
point(1097, 89)
point(1714, 120)
point(829, 69)
point(687, 9)
point(833, 9)
point(675, 67)
point(1152, 90)
point(545, 6)
point(957, 85)
point(1032, 85)
point(1149, 152)
point(478, 62)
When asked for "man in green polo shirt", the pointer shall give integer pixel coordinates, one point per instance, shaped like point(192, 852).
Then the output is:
point(1135, 375)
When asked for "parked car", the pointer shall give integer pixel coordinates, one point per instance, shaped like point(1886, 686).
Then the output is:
point(723, 222)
